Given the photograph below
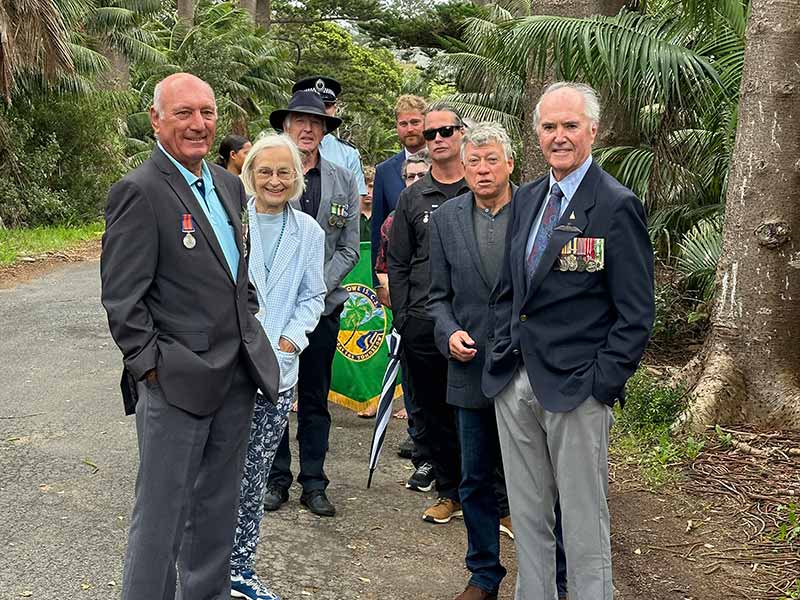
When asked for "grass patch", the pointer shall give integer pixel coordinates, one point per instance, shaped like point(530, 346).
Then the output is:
point(21, 242)
point(641, 432)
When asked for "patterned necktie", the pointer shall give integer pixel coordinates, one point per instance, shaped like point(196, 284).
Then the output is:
point(552, 212)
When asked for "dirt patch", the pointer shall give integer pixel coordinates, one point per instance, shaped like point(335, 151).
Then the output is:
point(717, 532)
point(30, 267)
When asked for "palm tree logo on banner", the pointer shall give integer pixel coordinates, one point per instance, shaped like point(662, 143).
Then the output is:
point(363, 324)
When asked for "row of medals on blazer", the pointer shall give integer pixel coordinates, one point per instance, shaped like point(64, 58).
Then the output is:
point(582, 254)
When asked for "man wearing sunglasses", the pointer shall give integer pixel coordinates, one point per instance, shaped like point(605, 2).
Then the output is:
point(435, 439)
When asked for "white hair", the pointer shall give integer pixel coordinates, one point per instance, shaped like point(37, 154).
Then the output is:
point(483, 134)
point(266, 142)
point(591, 100)
point(158, 91)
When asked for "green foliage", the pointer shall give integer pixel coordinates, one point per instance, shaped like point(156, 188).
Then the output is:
point(370, 77)
point(425, 25)
point(63, 156)
point(650, 406)
point(642, 432)
point(680, 318)
point(698, 255)
point(249, 72)
point(29, 241)
point(375, 142)
point(789, 529)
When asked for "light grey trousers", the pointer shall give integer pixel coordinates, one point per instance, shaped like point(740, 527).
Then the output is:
point(187, 493)
point(549, 455)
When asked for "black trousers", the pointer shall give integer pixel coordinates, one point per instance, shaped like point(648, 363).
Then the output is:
point(313, 416)
point(435, 437)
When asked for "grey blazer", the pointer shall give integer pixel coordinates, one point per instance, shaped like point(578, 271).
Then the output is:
point(177, 309)
point(341, 243)
point(459, 296)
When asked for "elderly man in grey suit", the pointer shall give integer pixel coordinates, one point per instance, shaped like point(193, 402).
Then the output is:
point(331, 197)
point(467, 244)
point(180, 307)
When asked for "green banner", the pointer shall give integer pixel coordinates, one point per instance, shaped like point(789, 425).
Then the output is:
point(361, 350)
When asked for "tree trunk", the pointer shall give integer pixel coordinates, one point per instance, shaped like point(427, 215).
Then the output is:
point(749, 367)
point(250, 7)
point(186, 11)
point(264, 13)
point(532, 161)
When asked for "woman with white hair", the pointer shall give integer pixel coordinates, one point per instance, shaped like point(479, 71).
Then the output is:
point(286, 264)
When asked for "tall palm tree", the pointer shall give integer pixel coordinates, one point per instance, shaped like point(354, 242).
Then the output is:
point(33, 38)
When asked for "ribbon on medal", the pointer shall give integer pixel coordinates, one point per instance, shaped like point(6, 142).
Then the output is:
point(187, 227)
point(582, 254)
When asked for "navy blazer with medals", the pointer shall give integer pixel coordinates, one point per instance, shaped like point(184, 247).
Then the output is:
point(578, 334)
point(174, 308)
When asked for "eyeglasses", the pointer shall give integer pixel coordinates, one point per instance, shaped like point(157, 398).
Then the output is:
point(446, 131)
point(413, 176)
point(284, 175)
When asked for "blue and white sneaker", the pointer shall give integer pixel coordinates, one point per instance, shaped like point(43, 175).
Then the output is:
point(247, 585)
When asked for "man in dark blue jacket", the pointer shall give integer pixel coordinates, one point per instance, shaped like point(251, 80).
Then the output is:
point(573, 311)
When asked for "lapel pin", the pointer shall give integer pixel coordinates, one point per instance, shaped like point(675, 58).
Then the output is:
point(572, 216)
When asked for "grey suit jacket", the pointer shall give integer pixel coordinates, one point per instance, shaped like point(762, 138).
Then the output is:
point(459, 296)
point(178, 309)
point(341, 243)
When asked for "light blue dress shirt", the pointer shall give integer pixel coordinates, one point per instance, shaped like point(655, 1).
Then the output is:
point(215, 212)
point(569, 185)
point(345, 156)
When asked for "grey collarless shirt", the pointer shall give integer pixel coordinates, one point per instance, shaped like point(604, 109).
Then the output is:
point(490, 233)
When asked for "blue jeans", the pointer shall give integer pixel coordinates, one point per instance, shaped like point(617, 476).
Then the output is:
point(484, 500)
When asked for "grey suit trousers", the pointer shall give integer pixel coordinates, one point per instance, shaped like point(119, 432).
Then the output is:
point(187, 493)
point(549, 456)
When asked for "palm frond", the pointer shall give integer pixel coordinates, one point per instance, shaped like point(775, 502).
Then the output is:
point(698, 254)
point(641, 60)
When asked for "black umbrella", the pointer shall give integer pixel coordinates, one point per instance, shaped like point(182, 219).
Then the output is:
point(384, 412)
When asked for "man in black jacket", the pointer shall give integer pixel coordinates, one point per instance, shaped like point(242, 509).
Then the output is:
point(435, 436)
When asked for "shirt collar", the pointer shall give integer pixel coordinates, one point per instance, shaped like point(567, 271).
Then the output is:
point(190, 177)
point(569, 185)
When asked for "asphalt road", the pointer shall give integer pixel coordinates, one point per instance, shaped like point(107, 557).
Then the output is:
point(68, 465)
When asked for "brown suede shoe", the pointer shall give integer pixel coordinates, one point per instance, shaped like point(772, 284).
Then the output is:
point(475, 593)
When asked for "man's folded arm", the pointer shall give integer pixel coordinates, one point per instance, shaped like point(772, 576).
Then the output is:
point(127, 268)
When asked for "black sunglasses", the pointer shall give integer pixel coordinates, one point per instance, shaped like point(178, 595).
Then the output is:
point(445, 131)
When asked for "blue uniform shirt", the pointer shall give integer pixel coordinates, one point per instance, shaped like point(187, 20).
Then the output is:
point(569, 185)
point(215, 212)
point(339, 153)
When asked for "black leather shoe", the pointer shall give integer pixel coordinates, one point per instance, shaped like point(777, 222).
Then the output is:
point(318, 503)
point(274, 497)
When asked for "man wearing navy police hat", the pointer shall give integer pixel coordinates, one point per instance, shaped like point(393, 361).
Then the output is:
point(334, 149)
